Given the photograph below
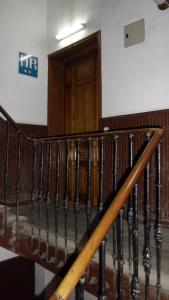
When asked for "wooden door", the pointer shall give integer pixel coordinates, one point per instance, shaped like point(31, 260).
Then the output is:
point(74, 102)
point(81, 94)
point(81, 116)
point(74, 87)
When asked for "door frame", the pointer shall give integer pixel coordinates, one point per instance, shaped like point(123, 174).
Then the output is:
point(56, 65)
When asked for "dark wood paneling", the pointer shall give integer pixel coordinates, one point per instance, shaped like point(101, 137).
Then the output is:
point(26, 160)
point(17, 279)
point(149, 119)
point(34, 130)
point(139, 120)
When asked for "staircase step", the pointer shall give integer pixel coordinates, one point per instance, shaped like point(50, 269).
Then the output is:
point(46, 254)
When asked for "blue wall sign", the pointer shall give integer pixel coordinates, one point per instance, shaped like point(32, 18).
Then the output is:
point(28, 64)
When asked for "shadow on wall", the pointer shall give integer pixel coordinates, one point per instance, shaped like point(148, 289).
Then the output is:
point(49, 289)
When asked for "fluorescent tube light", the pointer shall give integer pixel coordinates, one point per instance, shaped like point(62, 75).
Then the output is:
point(70, 31)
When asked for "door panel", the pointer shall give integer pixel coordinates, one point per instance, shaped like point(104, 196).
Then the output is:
point(81, 103)
point(80, 91)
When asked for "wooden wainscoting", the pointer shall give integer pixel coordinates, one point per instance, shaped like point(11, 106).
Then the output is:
point(34, 130)
point(26, 160)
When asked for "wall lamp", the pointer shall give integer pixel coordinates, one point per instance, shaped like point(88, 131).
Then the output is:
point(162, 4)
point(66, 32)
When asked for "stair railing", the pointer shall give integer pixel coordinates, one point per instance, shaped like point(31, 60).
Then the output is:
point(84, 258)
point(67, 180)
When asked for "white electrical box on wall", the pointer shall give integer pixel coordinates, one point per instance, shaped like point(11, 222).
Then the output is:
point(134, 33)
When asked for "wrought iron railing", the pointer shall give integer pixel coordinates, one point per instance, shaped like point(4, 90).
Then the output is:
point(54, 190)
point(116, 208)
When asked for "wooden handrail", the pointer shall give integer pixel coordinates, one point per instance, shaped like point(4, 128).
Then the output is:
point(12, 122)
point(83, 260)
point(71, 136)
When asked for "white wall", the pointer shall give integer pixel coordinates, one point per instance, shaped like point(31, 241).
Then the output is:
point(23, 28)
point(42, 278)
point(6, 254)
point(63, 13)
point(134, 79)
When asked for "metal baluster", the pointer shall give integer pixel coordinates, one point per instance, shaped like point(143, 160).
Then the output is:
point(102, 249)
point(115, 173)
point(115, 178)
point(158, 232)
point(57, 195)
point(120, 260)
point(119, 225)
point(79, 291)
point(49, 160)
point(130, 208)
point(33, 193)
point(17, 183)
point(88, 204)
point(6, 177)
point(48, 198)
point(89, 190)
point(135, 289)
point(40, 197)
point(47, 201)
point(66, 198)
point(40, 194)
point(147, 228)
point(76, 204)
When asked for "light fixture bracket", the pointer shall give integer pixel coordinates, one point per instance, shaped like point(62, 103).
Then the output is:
point(162, 4)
